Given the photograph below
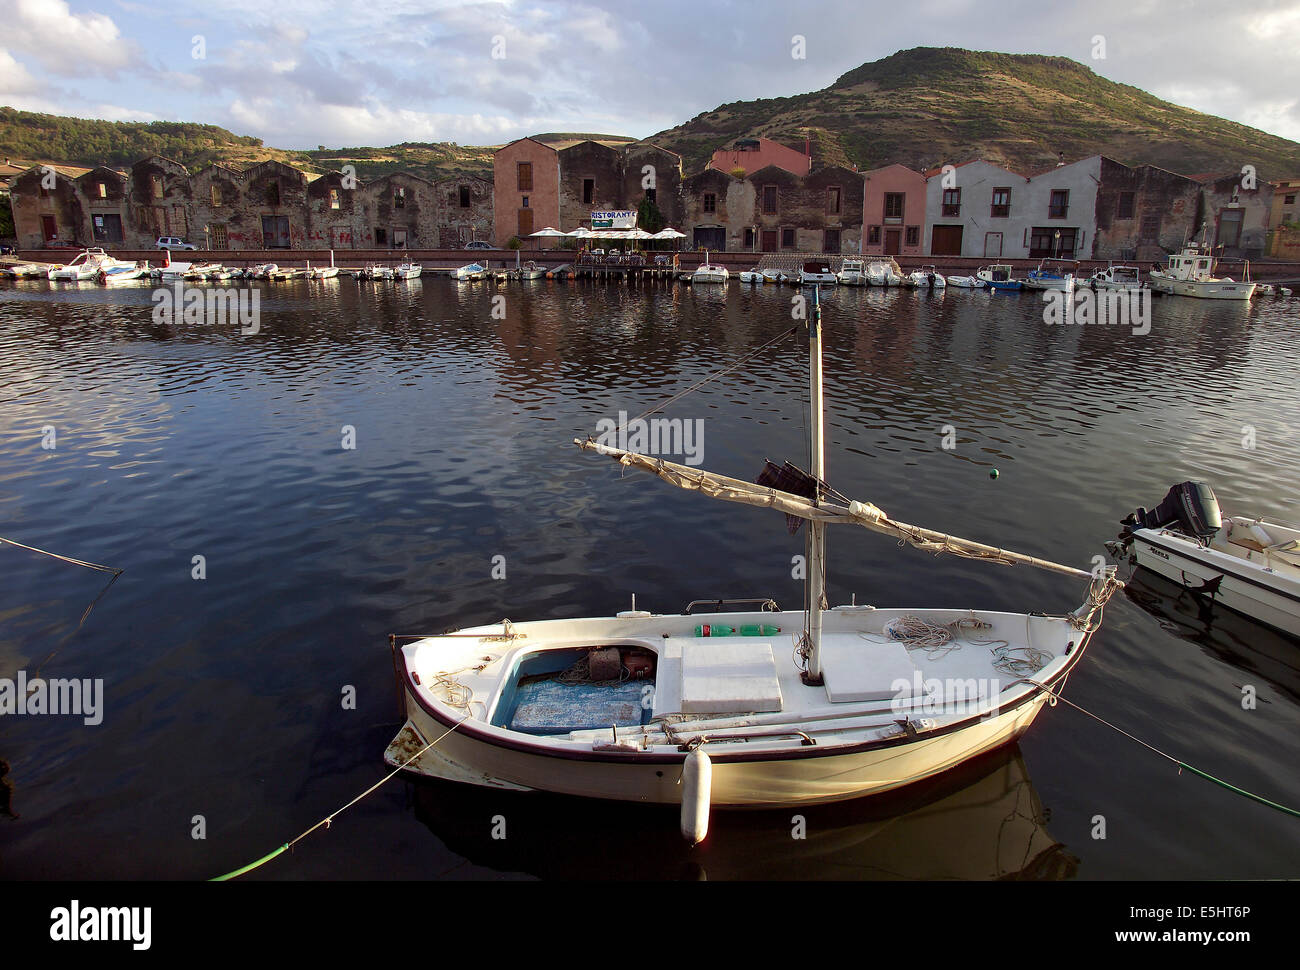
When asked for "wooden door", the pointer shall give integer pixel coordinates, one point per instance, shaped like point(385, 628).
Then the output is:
point(945, 241)
point(893, 240)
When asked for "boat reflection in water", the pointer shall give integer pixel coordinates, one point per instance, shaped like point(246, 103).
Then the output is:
point(980, 821)
point(1223, 633)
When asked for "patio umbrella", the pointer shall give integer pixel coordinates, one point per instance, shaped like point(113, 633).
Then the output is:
point(548, 232)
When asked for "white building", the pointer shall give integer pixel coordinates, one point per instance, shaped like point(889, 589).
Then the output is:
point(982, 210)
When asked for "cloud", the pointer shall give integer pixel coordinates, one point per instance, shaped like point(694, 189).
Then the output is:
point(66, 43)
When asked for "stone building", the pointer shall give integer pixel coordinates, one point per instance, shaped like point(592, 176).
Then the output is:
point(1234, 214)
point(107, 207)
point(217, 193)
point(718, 211)
point(335, 213)
point(48, 208)
point(654, 173)
point(464, 210)
point(1143, 212)
point(754, 154)
point(160, 197)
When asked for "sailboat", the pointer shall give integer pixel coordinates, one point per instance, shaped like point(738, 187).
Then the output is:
point(716, 708)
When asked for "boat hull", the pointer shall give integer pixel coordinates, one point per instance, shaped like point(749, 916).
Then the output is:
point(1203, 289)
point(765, 783)
point(1241, 587)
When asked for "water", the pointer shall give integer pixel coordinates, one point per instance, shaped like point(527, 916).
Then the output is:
point(224, 696)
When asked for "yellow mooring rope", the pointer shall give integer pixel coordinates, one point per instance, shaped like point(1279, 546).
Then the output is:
point(330, 818)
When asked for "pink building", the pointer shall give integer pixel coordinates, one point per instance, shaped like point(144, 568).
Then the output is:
point(752, 154)
point(525, 190)
point(893, 212)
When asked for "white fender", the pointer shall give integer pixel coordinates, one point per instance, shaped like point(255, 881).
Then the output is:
point(697, 783)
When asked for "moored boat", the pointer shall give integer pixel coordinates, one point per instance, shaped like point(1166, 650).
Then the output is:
point(1052, 274)
point(84, 266)
point(998, 276)
point(696, 709)
point(1240, 561)
point(928, 277)
point(966, 282)
point(407, 271)
point(121, 271)
point(750, 276)
point(471, 271)
point(1115, 277)
point(774, 276)
point(852, 273)
point(1191, 273)
point(816, 272)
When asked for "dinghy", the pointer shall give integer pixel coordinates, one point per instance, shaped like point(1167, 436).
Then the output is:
point(966, 282)
point(761, 707)
point(1242, 562)
point(329, 272)
point(120, 271)
point(773, 275)
point(750, 276)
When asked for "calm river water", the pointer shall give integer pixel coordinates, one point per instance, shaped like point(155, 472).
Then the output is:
point(224, 697)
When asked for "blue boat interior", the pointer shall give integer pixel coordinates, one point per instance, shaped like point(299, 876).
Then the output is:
point(535, 701)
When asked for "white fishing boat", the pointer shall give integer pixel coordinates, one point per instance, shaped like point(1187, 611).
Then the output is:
point(999, 276)
point(471, 271)
point(708, 272)
point(816, 272)
point(1239, 561)
point(407, 271)
point(927, 277)
point(852, 273)
point(84, 266)
point(529, 270)
point(750, 276)
point(756, 708)
point(1118, 278)
point(1191, 273)
point(966, 282)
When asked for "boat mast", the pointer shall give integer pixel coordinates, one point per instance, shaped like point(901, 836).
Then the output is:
point(812, 674)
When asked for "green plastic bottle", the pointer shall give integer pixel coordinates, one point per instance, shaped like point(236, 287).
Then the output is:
point(749, 630)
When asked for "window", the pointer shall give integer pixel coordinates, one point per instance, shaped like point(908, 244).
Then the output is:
point(334, 198)
point(464, 196)
point(1289, 200)
point(873, 236)
point(1124, 209)
point(951, 203)
point(1059, 207)
point(1043, 241)
point(216, 195)
point(273, 192)
point(525, 205)
point(1150, 230)
point(769, 200)
point(156, 186)
point(749, 237)
point(831, 242)
point(525, 176)
point(833, 201)
point(399, 197)
point(710, 202)
point(107, 228)
point(1001, 207)
point(220, 238)
point(381, 237)
point(103, 191)
point(894, 207)
point(914, 235)
point(588, 190)
point(787, 239)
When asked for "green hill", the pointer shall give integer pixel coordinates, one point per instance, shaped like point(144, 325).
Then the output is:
point(928, 106)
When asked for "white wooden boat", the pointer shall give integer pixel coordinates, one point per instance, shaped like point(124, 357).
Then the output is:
point(84, 266)
point(816, 272)
point(121, 271)
point(407, 271)
point(774, 276)
point(262, 271)
point(529, 270)
point(1118, 278)
point(708, 272)
point(1191, 273)
point(966, 282)
point(324, 272)
point(754, 708)
point(852, 273)
point(471, 271)
point(928, 277)
point(1240, 561)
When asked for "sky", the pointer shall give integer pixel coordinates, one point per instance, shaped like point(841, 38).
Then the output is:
point(301, 74)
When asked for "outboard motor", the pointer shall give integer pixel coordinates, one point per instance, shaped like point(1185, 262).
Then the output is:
point(1189, 505)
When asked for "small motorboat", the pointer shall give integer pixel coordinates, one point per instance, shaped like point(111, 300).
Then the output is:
point(324, 272)
point(1241, 562)
point(21, 271)
point(262, 271)
point(407, 271)
point(750, 276)
point(966, 282)
point(529, 270)
point(998, 277)
point(471, 271)
point(709, 273)
point(852, 273)
point(219, 273)
point(1117, 278)
point(1052, 274)
point(884, 272)
point(121, 271)
point(928, 277)
point(85, 266)
point(774, 276)
point(817, 272)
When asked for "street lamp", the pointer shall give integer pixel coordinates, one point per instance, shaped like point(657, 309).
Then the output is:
point(1057, 245)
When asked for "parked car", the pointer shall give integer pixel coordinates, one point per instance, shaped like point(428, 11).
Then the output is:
point(478, 244)
point(173, 242)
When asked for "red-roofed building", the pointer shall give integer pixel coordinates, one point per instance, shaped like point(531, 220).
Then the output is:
point(752, 154)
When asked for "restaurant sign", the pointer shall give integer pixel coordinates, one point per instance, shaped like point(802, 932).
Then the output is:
point(614, 219)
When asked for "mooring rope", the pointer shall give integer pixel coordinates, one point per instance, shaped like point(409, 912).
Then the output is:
point(1168, 757)
point(330, 818)
point(75, 562)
